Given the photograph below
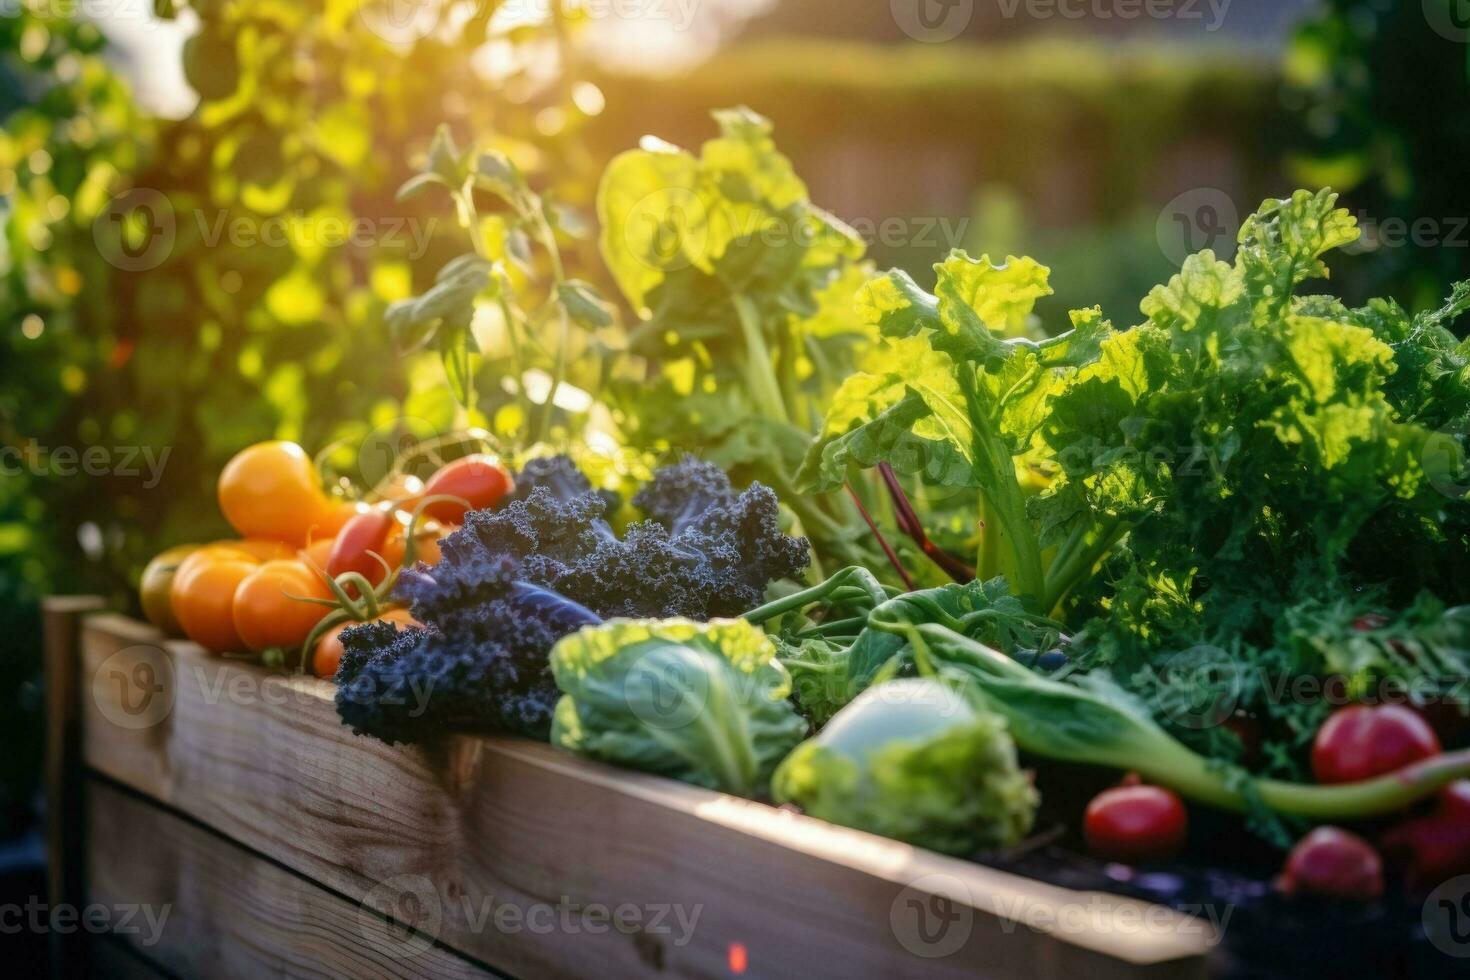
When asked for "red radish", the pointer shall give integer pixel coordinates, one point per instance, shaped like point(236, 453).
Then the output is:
point(1436, 847)
point(1334, 864)
point(1135, 823)
point(481, 480)
point(1362, 742)
point(1368, 622)
point(363, 534)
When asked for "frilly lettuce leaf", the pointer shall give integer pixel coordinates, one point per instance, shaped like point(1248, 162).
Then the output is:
point(1282, 244)
point(701, 702)
point(681, 232)
point(956, 392)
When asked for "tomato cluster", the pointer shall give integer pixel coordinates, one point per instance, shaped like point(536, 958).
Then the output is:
point(306, 565)
point(1358, 743)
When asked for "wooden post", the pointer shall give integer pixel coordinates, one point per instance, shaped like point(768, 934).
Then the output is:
point(65, 851)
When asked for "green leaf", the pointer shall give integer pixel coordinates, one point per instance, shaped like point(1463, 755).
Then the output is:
point(654, 219)
point(1282, 243)
point(1196, 295)
point(912, 415)
point(1001, 297)
point(584, 304)
point(702, 702)
point(417, 184)
point(413, 322)
point(444, 157)
point(498, 175)
point(454, 351)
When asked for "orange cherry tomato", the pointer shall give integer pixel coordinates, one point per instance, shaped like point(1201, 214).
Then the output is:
point(156, 586)
point(318, 551)
point(264, 611)
point(426, 551)
point(272, 490)
point(361, 537)
point(335, 518)
point(203, 594)
point(479, 479)
point(264, 549)
point(329, 648)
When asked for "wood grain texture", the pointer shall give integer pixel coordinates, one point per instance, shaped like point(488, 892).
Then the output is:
point(115, 960)
point(493, 845)
point(213, 909)
point(61, 665)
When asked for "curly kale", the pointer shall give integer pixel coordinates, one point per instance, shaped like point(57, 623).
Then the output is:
point(556, 473)
point(400, 684)
point(513, 581)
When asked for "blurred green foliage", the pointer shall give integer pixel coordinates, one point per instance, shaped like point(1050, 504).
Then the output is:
point(1079, 143)
point(189, 287)
point(1382, 90)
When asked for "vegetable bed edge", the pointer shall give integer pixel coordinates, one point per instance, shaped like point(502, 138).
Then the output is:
point(471, 826)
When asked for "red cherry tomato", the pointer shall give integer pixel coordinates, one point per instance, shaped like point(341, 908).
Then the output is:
point(1334, 864)
point(479, 479)
point(363, 535)
point(1361, 742)
point(1135, 823)
point(1435, 847)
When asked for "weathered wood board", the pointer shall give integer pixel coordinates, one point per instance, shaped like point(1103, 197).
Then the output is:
point(505, 854)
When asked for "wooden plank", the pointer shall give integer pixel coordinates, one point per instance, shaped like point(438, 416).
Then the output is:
point(116, 960)
point(492, 839)
point(61, 623)
point(209, 908)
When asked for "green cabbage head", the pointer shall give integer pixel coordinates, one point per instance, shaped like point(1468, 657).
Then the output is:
point(916, 761)
point(705, 703)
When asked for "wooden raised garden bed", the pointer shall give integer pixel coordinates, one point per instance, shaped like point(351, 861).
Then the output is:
point(280, 843)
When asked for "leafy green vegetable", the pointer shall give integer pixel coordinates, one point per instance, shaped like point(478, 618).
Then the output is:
point(701, 702)
point(833, 661)
point(913, 760)
point(501, 253)
point(744, 292)
point(957, 394)
point(1248, 471)
point(1276, 460)
point(1093, 722)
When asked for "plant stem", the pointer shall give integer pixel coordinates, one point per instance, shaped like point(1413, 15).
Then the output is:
point(1012, 548)
point(760, 376)
point(1076, 558)
point(855, 575)
point(888, 551)
point(908, 523)
point(564, 336)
